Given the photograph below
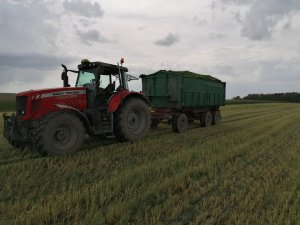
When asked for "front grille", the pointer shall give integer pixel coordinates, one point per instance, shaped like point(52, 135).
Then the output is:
point(21, 102)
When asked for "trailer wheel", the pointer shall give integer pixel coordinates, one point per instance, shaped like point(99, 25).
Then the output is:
point(180, 123)
point(206, 119)
point(132, 120)
point(59, 134)
point(216, 115)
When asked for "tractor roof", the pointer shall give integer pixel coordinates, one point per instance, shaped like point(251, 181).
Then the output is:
point(108, 68)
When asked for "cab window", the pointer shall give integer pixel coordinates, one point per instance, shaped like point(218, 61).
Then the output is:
point(104, 81)
point(85, 78)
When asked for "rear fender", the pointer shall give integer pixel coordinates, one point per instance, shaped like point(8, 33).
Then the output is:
point(116, 100)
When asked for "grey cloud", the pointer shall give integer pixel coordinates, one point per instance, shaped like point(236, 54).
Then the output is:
point(237, 2)
point(279, 70)
point(134, 16)
point(85, 22)
point(30, 68)
point(217, 36)
point(24, 28)
point(262, 16)
point(142, 28)
point(32, 60)
point(90, 36)
point(84, 8)
point(199, 21)
point(237, 16)
point(28, 34)
point(264, 76)
point(21, 75)
point(169, 40)
point(225, 69)
point(213, 5)
point(287, 25)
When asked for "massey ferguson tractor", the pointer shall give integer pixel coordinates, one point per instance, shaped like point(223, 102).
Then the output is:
point(55, 121)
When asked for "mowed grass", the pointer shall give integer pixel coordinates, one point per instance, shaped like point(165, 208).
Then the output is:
point(245, 171)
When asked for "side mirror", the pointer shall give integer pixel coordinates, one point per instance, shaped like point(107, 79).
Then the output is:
point(63, 75)
point(65, 78)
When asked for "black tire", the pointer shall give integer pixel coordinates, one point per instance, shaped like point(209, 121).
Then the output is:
point(59, 134)
point(180, 123)
point(14, 144)
point(206, 119)
point(18, 145)
point(216, 116)
point(132, 120)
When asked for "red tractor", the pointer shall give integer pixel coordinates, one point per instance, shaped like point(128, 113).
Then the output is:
point(55, 121)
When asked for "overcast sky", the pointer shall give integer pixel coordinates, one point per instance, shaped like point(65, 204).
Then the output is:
point(253, 45)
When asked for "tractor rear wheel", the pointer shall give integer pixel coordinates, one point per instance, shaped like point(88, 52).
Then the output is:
point(59, 134)
point(132, 120)
point(206, 119)
point(180, 123)
point(216, 117)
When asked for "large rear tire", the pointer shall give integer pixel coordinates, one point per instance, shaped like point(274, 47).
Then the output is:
point(59, 134)
point(132, 120)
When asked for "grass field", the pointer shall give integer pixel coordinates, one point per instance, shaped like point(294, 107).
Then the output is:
point(7, 102)
point(245, 171)
point(242, 101)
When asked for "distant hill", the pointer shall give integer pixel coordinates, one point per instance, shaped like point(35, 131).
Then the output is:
point(7, 102)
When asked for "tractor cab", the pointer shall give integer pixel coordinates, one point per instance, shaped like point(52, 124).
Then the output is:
point(99, 75)
point(101, 81)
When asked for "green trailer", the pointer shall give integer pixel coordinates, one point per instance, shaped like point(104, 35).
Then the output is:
point(182, 96)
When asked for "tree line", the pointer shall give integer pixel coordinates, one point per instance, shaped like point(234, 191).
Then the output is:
point(283, 97)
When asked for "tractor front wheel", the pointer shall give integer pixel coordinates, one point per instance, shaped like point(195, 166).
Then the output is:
point(132, 120)
point(59, 134)
point(17, 144)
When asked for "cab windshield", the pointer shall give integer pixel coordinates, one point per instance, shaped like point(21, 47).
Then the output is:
point(85, 78)
point(88, 78)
